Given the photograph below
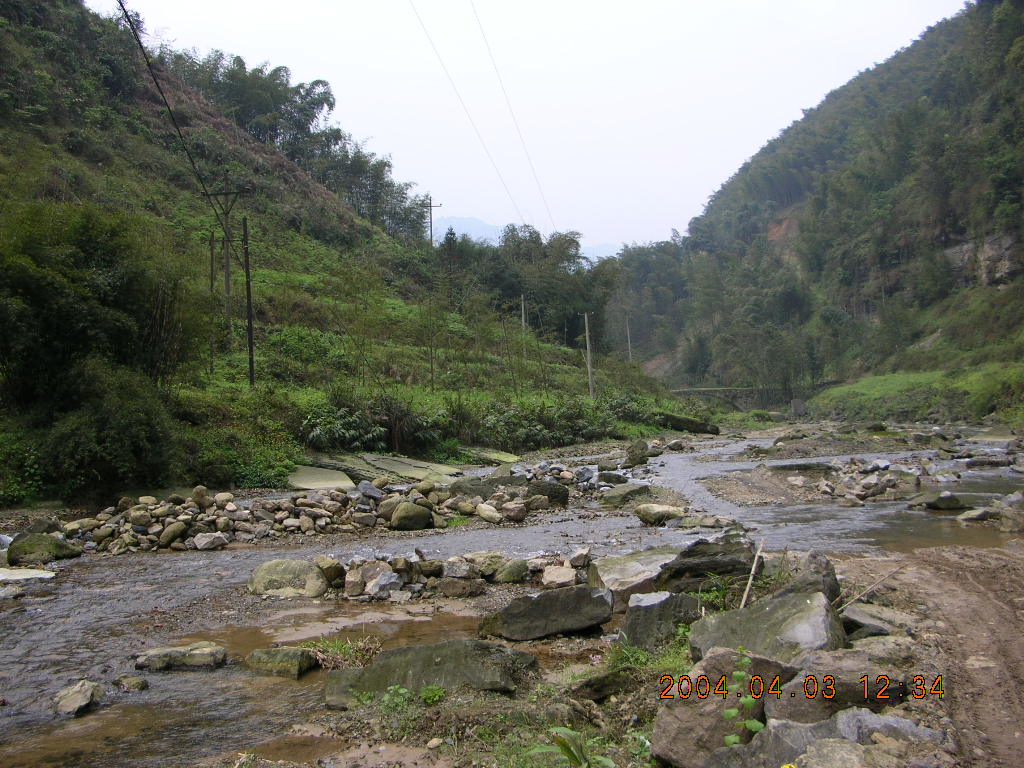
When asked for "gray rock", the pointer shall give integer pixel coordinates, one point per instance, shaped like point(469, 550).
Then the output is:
point(471, 486)
point(451, 665)
point(783, 628)
point(636, 453)
point(489, 514)
point(411, 517)
point(657, 514)
point(845, 668)
point(202, 654)
point(941, 500)
point(381, 585)
point(513, 572)
point(172, 533)
point(814, 573)
point(77, 699)
point(285, 661)
point(333, 571)
point(552, 612)
point(11, 592)
point(39, 548)
point(205, 541)
point(558, 576)
point(867, 620)
point(369, 490)
point(629, 574)
point(688, 730)
point(450, 587)
point(489, 563)
point(288, 578)
point(651, 619)
point(131, 683)
point(620, 494)
point(612, 478)
point(556, 493)
point(783, 742)
point(727, 556)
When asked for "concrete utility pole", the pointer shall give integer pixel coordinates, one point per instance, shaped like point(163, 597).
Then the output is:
point(629, 343)
point(590, 369)
point(430, 212)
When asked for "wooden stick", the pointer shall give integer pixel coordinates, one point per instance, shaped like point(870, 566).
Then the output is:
point(750, 579)
point(859, 595)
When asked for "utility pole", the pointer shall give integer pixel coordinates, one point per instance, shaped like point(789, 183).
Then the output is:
point(248, 301)
point(522, 311)
point(430, 212)
point(213, 291)
point(629, 342)
point(590, 369)
point(223, 201)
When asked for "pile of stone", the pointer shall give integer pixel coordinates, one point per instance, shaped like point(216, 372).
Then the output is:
point(206, 521)
point(401, 579)
point(858, 480)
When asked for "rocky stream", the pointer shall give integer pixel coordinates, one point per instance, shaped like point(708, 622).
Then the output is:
point(518, 582)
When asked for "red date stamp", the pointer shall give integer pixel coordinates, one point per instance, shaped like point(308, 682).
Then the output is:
point(882, 687)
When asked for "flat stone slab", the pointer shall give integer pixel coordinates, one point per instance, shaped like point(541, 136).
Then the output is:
point(627, 575)
point(203, 654)
point(475, 664)
point(25, 574)
point(317, 479)
point(413, 469)
point(552, 612)
point(490, 455)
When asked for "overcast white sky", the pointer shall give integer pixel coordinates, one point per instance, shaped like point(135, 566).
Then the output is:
point(633, 112)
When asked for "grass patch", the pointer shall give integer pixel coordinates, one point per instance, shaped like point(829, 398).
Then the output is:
point(336, 653)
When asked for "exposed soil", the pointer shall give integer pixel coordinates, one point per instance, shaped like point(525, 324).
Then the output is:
point(974, 602)
point(762, 485)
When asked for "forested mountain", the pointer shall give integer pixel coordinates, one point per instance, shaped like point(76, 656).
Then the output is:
point(123, 354)
point(880, 232)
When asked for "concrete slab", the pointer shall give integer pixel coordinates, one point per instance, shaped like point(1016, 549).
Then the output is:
point(316, 479)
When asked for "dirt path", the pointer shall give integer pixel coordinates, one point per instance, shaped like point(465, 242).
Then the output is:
point(975, 602)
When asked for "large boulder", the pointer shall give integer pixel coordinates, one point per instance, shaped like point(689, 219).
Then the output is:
point(620, 494)
point(172, 533)
point(197, 655)
point(629, 574)
point(513, 572)
point(411, 517)
point(783, 742)
point(813, 573)
point(651, 619)
point(77, 699)
point(39, 548)
point(205, 541)
point(862, 620)
point(727, 556)
point(688, 730)
point(285, 661)
point(783, 628)
point(288, 578)
point(474, 664)
point(551, 612)
point(556, 493)
point(803, 701)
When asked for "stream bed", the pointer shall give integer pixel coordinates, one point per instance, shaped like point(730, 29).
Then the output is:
point(100, 612)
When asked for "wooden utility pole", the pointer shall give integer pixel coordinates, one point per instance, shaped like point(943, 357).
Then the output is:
point(248, 301)
point(629, 342)
point(590, 368)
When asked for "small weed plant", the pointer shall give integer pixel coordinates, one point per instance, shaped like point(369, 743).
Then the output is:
point(335, 653)
point(572, 750)
point(432, 694)
point(740, 684)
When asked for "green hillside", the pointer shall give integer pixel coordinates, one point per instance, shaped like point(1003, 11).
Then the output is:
point(881, 232)
point(122, 355)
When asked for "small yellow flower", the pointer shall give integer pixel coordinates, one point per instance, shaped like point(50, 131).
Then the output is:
point(789, 765)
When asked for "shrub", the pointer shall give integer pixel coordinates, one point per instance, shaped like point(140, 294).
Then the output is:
point(120, 435)
point(20, 476)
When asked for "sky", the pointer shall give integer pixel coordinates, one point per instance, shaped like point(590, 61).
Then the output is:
point(633, 113)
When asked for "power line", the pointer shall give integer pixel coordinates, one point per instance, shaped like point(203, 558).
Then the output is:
point(512, 113)
point(170, 112)
point(465, 109)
